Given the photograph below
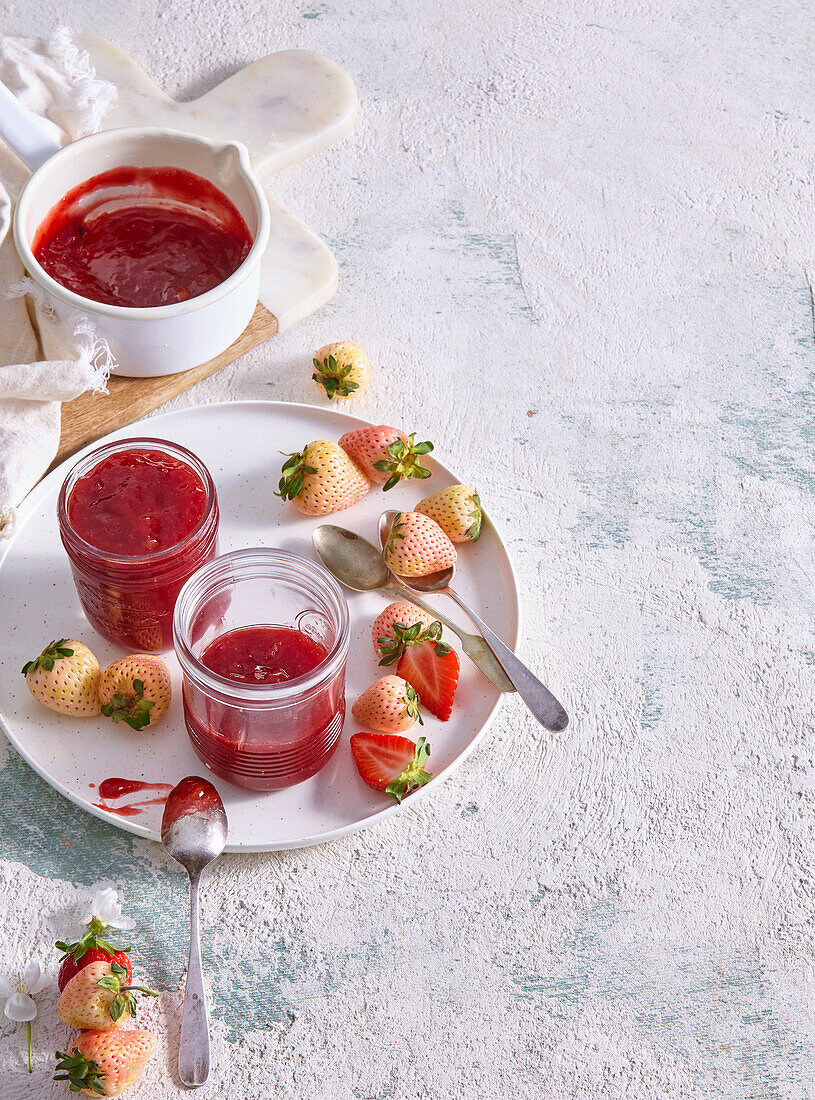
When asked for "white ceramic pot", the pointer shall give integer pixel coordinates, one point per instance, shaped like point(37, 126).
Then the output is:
point(152, 340)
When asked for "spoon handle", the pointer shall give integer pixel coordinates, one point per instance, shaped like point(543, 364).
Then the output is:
point(536, 695)
point(474, 646)
point(193, 1049)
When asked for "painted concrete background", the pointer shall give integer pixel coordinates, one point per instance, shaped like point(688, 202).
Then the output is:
point(577, 240)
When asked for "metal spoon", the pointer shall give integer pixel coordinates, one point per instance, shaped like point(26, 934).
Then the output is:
point(193, 830)
point(358, 565)
point(537, 696)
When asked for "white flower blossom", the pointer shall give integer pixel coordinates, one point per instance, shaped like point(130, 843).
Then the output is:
point(19, 994)
point(105, 908)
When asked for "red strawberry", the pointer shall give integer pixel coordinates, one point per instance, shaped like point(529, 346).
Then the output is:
point(105, 1063)
point(321, 479)
point(70, 966)
point(417, 546)
point(431, 668)
point(390, 706)
point(386, 455)
point(136, 690)
point(391, 764)
point(400, 612)
point(91, 948)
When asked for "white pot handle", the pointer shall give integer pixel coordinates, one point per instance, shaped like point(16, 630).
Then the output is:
point(23, 132)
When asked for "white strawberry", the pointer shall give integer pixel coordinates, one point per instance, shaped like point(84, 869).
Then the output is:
point(417, 546)
point(390, 706)
point(399, 612)
point(65, 678)
point(457, 510)
point(342, 369)
point(136, 690)
point(321, 479)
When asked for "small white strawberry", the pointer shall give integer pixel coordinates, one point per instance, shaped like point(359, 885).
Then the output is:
point(417, 546)
point(457, 510)
point(342, 369)
point(407, 614)
point(65, 678)
point(386, 455)
point(389, 706)
point(136, 690)
point(321, 479)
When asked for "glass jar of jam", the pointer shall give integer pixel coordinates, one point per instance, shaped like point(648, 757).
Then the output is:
point(137, 518)
point(262, 639)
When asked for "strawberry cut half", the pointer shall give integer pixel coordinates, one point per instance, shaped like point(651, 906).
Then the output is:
point(433, 675)
point(391, 763)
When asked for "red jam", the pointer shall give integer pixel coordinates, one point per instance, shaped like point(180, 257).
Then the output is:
point(142, 237)
point(265, 750)
point(192, 795)
point(263, 655)
point(136, 524)
point(137, 502)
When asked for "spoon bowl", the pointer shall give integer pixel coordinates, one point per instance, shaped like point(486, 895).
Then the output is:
point(194, 830)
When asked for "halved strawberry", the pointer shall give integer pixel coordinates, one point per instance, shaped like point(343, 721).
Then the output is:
point(390, 763)
point(433, 675)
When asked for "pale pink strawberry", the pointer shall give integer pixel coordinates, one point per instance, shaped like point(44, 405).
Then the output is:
point(417, 546)
point(400, 612)
point(136, 690)
point(386, 455)
point(388, 706)
point(105, 1063)
point(98, 997)
point(65, 678)
point(321, 479)
point(457, 510)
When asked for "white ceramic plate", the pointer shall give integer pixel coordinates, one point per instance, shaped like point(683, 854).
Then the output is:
point(240, 443)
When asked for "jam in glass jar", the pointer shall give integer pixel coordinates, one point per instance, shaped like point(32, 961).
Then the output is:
point(137, 518)
point(262, 639)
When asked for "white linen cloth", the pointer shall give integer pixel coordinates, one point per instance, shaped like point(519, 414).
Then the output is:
point(55, 81)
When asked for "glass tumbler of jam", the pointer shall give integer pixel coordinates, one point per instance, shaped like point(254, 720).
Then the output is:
point(137, 518)
point(262, 639)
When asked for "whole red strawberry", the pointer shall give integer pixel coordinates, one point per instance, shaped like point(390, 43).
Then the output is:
point(71, 967)
point(386, 455)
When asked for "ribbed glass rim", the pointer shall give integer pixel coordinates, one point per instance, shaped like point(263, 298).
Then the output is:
point(140, 443)
point(252, 563)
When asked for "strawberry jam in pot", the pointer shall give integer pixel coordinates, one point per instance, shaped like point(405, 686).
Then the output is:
point(262, 639)
point(137, 518)
point(142, 237)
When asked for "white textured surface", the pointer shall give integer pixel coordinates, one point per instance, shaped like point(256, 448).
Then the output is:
point(574, 239)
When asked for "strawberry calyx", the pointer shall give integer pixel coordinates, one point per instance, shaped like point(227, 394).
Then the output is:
point(474, 530)
point(54, 651)
point(394, 534)
point(81, 1073)
point(392, 648)
point(124, 998)
point(334, 378)
point(414, 774)
point(92, 939)
point(411, 700)
point(292, 473)
point(133, 709)
point(404, 461)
